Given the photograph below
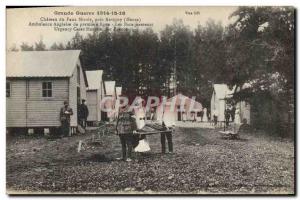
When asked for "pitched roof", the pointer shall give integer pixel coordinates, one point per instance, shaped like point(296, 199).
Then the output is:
point(119, 91)
point(41, 63)
point(222, 91)
point(109, 87)
point(94, 79)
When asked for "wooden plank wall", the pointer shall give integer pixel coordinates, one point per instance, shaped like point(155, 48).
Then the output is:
point(73, 92)
point(16, 104)
point(32, 109)
point(44, 111)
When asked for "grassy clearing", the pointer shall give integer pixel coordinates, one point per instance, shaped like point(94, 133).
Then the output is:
point(202, 163)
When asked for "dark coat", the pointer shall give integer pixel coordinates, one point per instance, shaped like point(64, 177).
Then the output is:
point(64, 116)
point(83, 111)
point(126, 124)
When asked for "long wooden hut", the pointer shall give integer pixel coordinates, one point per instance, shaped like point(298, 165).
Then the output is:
point(37, 84)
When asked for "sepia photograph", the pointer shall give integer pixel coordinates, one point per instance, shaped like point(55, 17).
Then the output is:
point(150, 100)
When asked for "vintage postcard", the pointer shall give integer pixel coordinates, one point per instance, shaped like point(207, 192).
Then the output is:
point(150, 100)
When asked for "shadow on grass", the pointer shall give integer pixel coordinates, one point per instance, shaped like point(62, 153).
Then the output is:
point(235, 139)
point(98, 158)
point(194, 136)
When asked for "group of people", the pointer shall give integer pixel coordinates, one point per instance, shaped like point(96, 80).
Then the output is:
point(231, 114)
point(126, 128)
point(65, 116)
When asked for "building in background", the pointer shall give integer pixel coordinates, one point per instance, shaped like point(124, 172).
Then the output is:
point(118, 95)
point(109, 103)
point(38, 83)
point(189, 111)
point(221, 94)
point(94, 95)
point(218, 100)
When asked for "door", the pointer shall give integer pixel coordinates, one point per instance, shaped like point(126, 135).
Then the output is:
point(179, 116)
point(104, 116)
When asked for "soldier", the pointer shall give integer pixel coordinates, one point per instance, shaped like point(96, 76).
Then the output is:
point(227, 116)
point(168, 122)
point(125, 127)
point(65, 118)
point(83, 113)
point(168, 137)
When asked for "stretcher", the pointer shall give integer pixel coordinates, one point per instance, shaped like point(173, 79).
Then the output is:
point(151, 128)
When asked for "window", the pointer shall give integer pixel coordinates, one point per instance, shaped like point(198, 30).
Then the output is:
point(8, 89)
point(47, 89)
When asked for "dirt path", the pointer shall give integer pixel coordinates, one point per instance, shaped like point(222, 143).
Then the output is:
point(202, 163)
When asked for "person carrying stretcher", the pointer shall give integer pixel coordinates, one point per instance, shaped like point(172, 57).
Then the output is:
point(125, 128)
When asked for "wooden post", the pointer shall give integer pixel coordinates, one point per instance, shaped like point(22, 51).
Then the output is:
point(46, 131)
point(30, 131)
point(79, 146)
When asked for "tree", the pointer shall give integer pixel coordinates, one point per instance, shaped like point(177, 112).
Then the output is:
point(209, 58)
point(261, 51)
point(40, 46)
point(176, 56)
point(25, 47)
point(13, 48)
point(262, 41)
point(60, 46)
point(54, 46)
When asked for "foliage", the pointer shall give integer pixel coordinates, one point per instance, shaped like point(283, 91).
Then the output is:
point(256, 49)
point(39, 46)
point(261, 50)
point(26, 47)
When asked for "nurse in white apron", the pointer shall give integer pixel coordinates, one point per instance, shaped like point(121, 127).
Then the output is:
point(140, 117)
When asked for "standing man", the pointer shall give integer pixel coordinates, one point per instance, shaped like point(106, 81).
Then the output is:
point(83, 113)
point(168, 123)
point(201, 115)
point(163, 138)
point(232, 113)
point(65, 118)
point(153, 114)
point(125, 127)
point(215, 117)
point(227, 116)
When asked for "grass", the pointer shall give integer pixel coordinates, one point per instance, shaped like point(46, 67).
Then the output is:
point(203, 163)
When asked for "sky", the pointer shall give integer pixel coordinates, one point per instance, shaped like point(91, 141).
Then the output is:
point(18, 19)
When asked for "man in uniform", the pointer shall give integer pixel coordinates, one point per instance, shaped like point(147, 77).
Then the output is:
point(83, 113)
point(168, 137)
point(65, 118)
point(168, 123)
point(125, 127)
